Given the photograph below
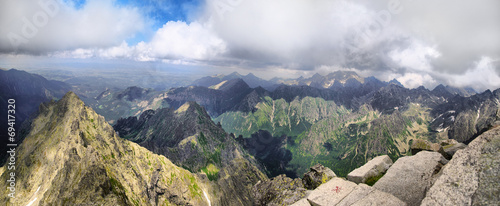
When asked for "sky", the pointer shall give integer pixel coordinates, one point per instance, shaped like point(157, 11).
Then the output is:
point(423, 42)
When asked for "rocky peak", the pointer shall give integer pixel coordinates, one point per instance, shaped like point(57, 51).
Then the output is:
point(192, 108)
point(251, 75)
point(396, 82)
point(189, 138)
point(73, 157)
point(233, 85)
point(132, 93)
point(233, 75)
point(316, 76)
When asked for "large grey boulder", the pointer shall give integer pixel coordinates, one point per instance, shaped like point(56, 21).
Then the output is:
point(472, 177)
point(410, 177)
point(366, 195)
point(340, 192)
point(317, 175)
point(301, 202)
point(377, 197)
point(331, 192)
point(375, 167)
point(359, 192)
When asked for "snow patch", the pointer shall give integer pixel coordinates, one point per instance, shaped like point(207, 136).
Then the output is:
point(206, 196)
point(33, 201)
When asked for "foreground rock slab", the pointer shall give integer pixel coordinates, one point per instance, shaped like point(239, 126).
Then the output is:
point(472, 177)
point(302, 202)
point(377, 197)
point(340, 192)
point(375, 167)
point(331, 192)
point(410, 177)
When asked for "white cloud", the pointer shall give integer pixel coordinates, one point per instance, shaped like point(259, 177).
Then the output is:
point(416, 57)
point(413, 80)
point(38, 27)
point(179, 40)
point(288, 32)
point(482, 76)
point(176, 42)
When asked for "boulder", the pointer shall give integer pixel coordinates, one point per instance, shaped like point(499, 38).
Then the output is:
point(331, 192)
point(472, 177)
point(317, 175)
point(448, 142)
point(280, 190)
point(340, 192)
point(377, 197)
point(410, 177)
point(302, 202)
point(423, 145)
point(451, 149)
point(373, 168)
point(359, 192)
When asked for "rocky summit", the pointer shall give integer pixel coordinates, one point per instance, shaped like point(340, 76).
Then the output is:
point(427, 178)
point(73, 157)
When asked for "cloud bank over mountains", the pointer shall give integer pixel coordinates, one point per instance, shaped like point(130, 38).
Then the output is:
point(417, 42)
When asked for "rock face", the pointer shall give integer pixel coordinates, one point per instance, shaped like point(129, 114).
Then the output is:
point(472, 176)
point(317, 175)
point(373, 168)
point(73, 157)
point(471, 115)
point(280, 190)
point(410, 177)
point(189, 138)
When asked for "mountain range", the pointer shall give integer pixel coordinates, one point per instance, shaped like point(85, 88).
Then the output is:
point(212, 141)
point(72, 156)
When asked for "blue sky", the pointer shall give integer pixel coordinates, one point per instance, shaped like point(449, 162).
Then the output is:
point(158, 12)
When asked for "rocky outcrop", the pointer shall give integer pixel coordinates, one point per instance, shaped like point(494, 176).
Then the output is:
point(472, 176)
point(280, 190)
point(423, 145)
point(189, 138)
point(451, 149)
point(373, 168)
point(28, 91)
point(317, 175)
point(72, 156)
point(410, 177)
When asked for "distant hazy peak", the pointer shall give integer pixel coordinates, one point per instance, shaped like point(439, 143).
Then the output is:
point(233, 84)
point(396, 82)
